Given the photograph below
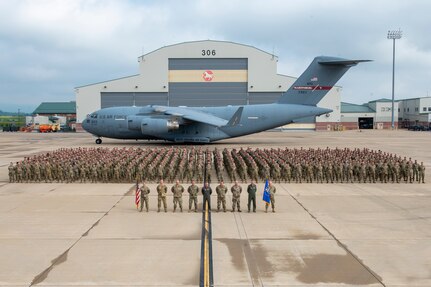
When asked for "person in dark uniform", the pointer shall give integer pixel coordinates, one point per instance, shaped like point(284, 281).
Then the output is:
point(251, 190)
point(206, 192)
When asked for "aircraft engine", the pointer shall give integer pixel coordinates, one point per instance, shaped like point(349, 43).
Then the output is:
point(153, 126)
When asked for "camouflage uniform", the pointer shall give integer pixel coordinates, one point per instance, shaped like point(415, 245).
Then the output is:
point(221, 191)
point(145, 191)
point(236, 199)
point(162, 190)
point(193, 191)
point(11, 169)
point(178, 190)
point(421, 172)
point(272, 191)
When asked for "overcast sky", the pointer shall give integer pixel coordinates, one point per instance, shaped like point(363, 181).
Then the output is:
point(49, 47)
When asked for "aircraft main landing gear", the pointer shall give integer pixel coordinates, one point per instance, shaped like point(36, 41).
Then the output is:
point(98, 141)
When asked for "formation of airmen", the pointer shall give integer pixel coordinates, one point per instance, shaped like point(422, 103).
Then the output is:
point(127, 165)
point(193, 190)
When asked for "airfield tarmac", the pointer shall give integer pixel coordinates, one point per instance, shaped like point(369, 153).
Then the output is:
point(321, 235)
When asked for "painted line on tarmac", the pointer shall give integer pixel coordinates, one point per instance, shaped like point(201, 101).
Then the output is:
point(375, 275)
point(206, 269)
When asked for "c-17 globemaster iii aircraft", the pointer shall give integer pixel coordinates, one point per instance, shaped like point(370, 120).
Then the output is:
point(208, 124)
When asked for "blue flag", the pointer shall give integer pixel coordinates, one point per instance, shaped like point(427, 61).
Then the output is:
point(266, 195)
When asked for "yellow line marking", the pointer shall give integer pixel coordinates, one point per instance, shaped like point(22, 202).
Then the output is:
point(206, 251)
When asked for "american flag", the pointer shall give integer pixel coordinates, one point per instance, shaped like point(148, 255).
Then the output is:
point(137, 196)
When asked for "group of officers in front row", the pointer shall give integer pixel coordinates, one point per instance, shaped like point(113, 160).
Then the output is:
point(206, 190)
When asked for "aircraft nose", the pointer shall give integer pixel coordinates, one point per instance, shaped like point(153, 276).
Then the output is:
point(85, 125)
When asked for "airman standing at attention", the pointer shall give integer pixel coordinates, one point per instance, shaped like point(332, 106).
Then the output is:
point(145, 191)
point(421, 171)
point(193, 191)
point(251, 190)
point(11, 169)
point(221, 191)
point(236, 196)
point(272, 191)
point(162, 190)
point(206, 192)
point(415, 171)
point(178, 190)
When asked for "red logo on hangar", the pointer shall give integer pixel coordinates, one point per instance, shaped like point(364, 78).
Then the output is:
point(208, 76)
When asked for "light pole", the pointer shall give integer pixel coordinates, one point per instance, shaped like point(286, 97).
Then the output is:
point(393, 35)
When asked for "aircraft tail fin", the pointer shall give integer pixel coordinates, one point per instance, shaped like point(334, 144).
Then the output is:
point(236, 118)
point(317, 80)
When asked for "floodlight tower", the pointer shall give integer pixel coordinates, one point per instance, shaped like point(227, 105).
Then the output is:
point(394, 35)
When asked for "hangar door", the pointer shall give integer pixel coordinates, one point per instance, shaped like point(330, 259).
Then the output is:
point(115, 99)
point(366, 123)
point(208, 82)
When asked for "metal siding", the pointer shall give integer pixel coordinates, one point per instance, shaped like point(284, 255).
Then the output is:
point(209, 64)
point(207, 94)
point(116, 99)
point(263, 98)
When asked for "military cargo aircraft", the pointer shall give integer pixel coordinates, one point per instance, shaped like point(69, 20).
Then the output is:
point(209, 124)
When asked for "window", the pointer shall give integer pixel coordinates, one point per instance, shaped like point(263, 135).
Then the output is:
point(416, 109)
point(424, 109)
point(408, 109)
point(399, 110)
point(382, 109)
point(429, 109)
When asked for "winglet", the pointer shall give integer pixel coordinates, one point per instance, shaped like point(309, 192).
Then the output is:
point(236, 118)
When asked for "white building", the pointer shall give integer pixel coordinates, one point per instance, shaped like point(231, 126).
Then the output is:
point(201, 73)
point(416, 111)
point(372, 115)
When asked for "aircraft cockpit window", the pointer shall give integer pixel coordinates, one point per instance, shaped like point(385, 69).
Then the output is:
point(93, 116)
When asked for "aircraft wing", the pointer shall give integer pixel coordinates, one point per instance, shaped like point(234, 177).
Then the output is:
point(191, 114)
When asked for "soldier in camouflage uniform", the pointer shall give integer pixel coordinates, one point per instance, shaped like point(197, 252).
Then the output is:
point(193, 191)
point(410, 173)
point(415, 171)
point(178, 190)
point(221, 191)
point(162, 190)
point(145, 191)
point(251, 190)
point(272, 191)
point(236, 196)
point(421, 172)
point(11, 170)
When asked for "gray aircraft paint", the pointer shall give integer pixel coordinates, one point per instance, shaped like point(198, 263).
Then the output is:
point(150, 122)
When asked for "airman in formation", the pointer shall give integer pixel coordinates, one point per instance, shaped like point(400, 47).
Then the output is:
point(177, 192)
point(124, 165)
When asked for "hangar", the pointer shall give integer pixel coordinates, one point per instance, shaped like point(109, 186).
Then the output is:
point(202, 73)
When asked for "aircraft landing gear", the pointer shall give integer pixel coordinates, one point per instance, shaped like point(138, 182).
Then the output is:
point(98, 141)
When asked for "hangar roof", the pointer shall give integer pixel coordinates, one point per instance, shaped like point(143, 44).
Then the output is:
point(56, 108)
point(382, 100)
point(353, 108)
point(198, 41)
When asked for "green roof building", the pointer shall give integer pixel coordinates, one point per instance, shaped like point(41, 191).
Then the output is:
point(56, 108)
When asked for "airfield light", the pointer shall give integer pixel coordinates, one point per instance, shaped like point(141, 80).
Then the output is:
point(394, 35)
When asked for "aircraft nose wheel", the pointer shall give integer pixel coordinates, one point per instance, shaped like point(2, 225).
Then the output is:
point(98, 141)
